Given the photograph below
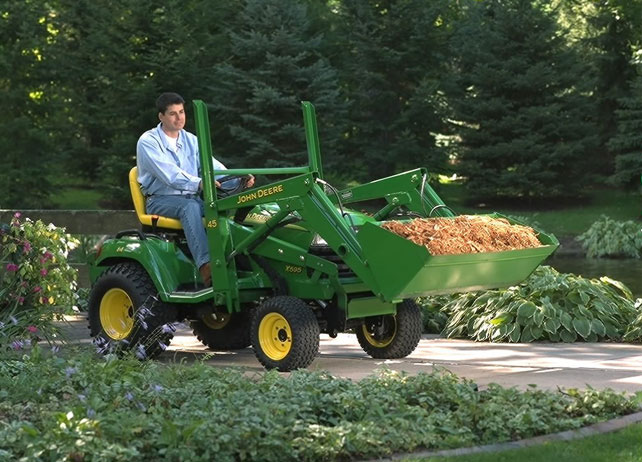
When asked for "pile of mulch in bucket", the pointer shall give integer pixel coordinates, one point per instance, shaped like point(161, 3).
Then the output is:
point(465, 234)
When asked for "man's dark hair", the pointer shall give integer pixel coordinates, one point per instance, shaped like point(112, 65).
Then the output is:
point(167, 99)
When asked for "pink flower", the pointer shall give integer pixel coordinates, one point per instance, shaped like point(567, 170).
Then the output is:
point(26, 248)
point(37, 289)
point(17, 215)
point(12, 267)
point(43, 272)
point(21, 300)
point(32, 329)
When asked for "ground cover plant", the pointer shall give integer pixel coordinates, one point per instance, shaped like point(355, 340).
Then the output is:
point(548, 306)
point(87, 408)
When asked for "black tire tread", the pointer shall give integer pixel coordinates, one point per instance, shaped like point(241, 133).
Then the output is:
point(134, 278)
point(234, 336)
point(409, 330)
point(305, 333)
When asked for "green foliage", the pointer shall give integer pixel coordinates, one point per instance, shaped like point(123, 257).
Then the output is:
point(392, 60)
point(547, 306)
point(274, 63)
point(614, 30)
point(37, 285)
point(79, 79)
point(634, 331)
point(120, 410)
point(627, 142)
point(610, 238)
point(434, 317)
point(27, 145)
point(520, 103)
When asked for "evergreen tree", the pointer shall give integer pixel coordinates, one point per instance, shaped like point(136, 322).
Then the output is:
point(525, 125)
point(112, 62)
point(393, 66)
point(274, 64)
point(627, 142)
point(615, 27)
point(28, 149)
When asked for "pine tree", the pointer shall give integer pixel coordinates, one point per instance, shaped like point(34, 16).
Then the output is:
point(627, 142)
point(27, 147)
point(393, 67)
point(112, 60)
point(613, 29)
point(274, 64)
point(524, 122)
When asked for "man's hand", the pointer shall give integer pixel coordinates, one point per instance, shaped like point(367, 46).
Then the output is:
point(217, 183)
point(250, 181)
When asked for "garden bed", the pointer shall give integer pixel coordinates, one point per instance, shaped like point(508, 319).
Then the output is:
point(88, 408)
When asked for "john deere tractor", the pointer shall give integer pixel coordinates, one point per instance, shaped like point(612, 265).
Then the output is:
point(289, 261)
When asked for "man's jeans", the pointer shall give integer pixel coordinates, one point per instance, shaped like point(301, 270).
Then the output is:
point(189, 210)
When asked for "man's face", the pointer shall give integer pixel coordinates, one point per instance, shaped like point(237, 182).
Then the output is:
point(173, 119)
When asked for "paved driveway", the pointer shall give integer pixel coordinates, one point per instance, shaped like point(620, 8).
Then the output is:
point(548, 365)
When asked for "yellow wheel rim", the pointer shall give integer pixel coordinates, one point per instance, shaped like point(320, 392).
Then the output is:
point(117, 314)
point(217, 320)
point(275, 336)
point(380, 340)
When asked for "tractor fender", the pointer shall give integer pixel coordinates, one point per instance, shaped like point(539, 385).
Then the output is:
point(166, 264)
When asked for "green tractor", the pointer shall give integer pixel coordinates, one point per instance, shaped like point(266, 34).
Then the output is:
point(289, 261)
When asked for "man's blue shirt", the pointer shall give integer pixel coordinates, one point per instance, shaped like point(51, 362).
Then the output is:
point(165, 171)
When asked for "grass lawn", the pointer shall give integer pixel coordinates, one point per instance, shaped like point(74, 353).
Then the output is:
point(76, 198)
point(621, 446)
point(559, 219)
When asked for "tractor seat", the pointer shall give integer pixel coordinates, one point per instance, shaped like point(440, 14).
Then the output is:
point(139, 205)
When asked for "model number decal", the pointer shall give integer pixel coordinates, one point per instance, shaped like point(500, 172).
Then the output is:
point(293, 269)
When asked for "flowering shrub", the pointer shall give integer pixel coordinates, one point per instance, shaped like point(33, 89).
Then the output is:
point(37, 285)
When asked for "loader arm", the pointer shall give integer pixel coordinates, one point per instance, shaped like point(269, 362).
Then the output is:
point(409, 189)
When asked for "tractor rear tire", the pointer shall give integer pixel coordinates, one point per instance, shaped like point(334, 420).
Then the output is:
point(285, 334)
point(392, 336)
point(223, 331)
point(125, 313)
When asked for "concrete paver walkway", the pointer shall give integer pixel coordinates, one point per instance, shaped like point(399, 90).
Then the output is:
point(547, 365)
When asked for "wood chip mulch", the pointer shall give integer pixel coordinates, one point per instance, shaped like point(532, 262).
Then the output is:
point(465, 234)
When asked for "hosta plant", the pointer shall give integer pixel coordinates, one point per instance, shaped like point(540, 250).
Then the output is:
point(547, 306)
point(611, 238)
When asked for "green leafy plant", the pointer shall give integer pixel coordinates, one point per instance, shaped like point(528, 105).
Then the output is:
point(434, 317)
point(610, 238)
point(37, 285)
point(547, 306)
point(84, 408)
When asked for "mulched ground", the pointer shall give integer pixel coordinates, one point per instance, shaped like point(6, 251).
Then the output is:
point(465, 234)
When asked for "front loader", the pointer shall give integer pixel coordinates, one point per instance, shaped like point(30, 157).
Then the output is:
point(289, 261)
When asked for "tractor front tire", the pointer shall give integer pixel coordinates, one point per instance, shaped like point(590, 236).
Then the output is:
point(223, 331)
point(125, 313)
point(285, 334)
point(392, 336)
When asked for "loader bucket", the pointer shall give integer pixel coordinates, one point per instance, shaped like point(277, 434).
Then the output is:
point(403, 269)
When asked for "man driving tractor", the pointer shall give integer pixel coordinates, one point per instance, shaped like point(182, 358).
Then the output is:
point(169, 172)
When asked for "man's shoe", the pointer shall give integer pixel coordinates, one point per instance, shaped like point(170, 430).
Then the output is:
point(206, 274)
